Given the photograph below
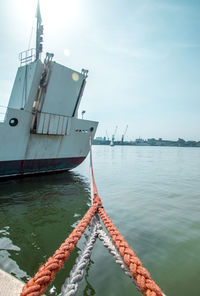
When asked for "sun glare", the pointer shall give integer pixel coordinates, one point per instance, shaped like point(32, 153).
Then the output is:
point(56, 14)
point(67, 52)
point(59, 13)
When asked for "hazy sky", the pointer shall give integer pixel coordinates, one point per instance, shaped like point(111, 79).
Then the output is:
point(143, 58)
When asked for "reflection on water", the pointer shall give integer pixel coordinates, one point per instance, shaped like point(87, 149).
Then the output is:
point(152, 196)
point(37, 214)
point(88, 288)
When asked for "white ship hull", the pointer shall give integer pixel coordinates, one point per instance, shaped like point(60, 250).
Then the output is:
point(24, 153)
point(41, 132)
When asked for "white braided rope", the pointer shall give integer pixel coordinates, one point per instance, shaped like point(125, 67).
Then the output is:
point(70, 286)
point(107, 242)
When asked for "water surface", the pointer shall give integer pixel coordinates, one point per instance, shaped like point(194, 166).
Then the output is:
point(152, 196)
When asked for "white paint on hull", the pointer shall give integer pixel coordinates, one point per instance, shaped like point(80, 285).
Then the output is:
point(18, 143)
point(44, 101)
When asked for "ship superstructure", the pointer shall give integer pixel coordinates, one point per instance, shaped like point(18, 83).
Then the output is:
point(41, 131)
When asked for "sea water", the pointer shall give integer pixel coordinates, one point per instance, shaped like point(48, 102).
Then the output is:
point(152, 194)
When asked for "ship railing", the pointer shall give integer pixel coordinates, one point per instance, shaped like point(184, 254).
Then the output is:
point(44, 112)
point(3, 110)
point(50, 124)
point(27, 56)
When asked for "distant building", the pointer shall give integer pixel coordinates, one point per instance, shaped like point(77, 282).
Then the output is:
point(139, 141)
point(152, 140)
point(99, 138)
point(198, 144)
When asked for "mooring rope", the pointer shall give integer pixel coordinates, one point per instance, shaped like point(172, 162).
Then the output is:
point(142, 277)
point(70, 286)
point(118, 247)
point(112, 250)
point(140, 274)
point(36, 286)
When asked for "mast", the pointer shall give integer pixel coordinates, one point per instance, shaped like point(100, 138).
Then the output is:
point(39, 32)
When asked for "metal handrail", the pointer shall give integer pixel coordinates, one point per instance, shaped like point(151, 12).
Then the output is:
point(44, 112)
point(27, 56)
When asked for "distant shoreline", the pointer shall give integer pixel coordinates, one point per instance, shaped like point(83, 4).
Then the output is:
point(150, 142)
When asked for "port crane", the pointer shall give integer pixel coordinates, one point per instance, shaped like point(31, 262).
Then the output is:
point(113, 136)
point(124, 133)
point(107, 136)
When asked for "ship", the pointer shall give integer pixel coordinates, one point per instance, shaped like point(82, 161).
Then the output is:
point(41, 131)
point(112, 143)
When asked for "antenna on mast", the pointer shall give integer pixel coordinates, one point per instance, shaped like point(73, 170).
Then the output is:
point(39, 32)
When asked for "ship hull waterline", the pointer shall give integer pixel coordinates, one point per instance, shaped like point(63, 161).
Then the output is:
point(20, 168)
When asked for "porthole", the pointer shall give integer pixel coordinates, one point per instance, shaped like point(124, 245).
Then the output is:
point(13, 121)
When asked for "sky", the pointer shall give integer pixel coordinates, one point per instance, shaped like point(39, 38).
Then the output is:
point(143, 58)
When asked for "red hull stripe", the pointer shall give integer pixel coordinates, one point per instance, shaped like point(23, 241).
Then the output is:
point(30, 166)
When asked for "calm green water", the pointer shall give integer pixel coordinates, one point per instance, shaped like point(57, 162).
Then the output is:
point(151, 193)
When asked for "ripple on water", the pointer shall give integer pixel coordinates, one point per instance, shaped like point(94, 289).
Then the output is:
point(150, 193)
